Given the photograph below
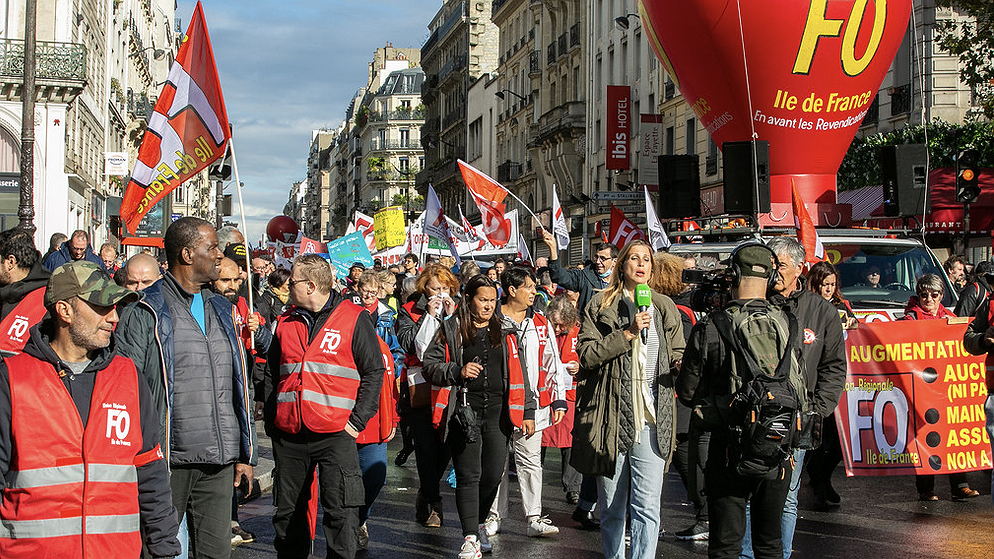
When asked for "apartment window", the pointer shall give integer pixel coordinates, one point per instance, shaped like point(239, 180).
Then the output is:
point(599, 78)
point(404, 164)
point(405, 138)
point(405, 104)
point(638, 51)
point(383, 138)
point(691, 136)
point(668, 145)
point(178, 195)
point(624, 62)
point(475, 140)
point(576, 83)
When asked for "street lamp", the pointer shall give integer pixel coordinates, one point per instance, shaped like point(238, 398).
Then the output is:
point(622, 21)
point(156, 54)
point(500, 94)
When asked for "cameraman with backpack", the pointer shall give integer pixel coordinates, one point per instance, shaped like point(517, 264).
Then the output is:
point(748, 349)
point(824, 360)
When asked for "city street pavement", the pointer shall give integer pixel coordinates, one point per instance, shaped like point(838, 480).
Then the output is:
point(880, 518)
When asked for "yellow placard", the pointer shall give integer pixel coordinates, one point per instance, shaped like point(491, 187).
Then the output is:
point(388, 227)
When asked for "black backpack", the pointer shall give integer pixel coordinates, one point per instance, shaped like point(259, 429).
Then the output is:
point(768, 406)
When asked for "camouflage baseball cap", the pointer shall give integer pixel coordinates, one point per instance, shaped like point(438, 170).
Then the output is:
point(89, 282)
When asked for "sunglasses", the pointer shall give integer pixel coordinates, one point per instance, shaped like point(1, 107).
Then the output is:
point(930, 295)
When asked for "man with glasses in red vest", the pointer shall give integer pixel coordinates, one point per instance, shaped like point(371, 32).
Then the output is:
point(323, 385)
point(81, 470)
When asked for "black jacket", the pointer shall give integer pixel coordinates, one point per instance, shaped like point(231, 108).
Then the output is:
point(972, 296)
point(823, 348)
point(11, 295)
point(158, 517)
point(365, 353)
point(586, 282)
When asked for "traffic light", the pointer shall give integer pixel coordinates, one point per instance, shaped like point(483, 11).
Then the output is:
point(967, 189)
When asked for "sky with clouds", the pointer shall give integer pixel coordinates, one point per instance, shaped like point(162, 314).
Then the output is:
point(290, 67)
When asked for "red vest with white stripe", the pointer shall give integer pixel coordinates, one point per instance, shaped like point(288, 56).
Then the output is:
point(567, 353)
point(72, 492)
point(515, 395)
point(378, 428)
point(545, 390)
point(319, 380)
point(15, 327)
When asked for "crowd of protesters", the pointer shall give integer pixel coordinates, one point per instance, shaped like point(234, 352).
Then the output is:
point(484, 368)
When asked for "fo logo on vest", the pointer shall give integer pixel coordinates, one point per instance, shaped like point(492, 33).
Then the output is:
point(332, 339)
point(18, 328)
point(118, 424)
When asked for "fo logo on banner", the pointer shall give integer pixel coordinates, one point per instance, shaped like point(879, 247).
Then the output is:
point(332, 339)
point(118, 426)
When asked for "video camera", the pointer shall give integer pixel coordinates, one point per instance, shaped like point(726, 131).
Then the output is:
point(711, 291)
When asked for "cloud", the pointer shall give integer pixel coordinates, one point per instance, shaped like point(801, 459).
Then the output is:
point(289, 69)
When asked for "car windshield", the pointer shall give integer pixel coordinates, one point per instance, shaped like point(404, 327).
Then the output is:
point(875, 275)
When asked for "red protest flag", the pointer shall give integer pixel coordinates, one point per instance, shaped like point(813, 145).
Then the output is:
point(188, 128)
point(489, 197)
point(814, 251)
point(623, 230)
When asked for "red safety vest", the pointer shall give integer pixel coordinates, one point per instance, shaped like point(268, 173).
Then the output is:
point(515, 396)
point(378, 428)
point(567, 353)
point(989, 360)
point(15, 327)
point(72, 492)
point(318, 380)
point(545, 391)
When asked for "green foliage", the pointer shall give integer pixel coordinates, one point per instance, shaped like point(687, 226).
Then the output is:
point(861, 166)
point(973, 43)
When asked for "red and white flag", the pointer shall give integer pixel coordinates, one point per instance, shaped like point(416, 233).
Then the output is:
point(623, 230)
point(310, 246)
point(559, 223)
point(814, 251)
point(489, 197)
point(471, 235)
point(364, 224)
point(187, 130)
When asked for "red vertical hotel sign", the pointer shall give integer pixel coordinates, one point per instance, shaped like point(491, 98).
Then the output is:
point(619, 129)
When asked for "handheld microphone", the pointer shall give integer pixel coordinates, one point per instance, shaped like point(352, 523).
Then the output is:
point(643, 298)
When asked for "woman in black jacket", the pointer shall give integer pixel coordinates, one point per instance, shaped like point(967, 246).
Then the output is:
point(474, 357)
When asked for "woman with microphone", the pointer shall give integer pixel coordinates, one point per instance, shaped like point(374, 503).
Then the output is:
point(629, 345)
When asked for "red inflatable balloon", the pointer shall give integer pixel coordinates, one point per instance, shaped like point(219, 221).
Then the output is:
point(283, 229)
point(814, 68)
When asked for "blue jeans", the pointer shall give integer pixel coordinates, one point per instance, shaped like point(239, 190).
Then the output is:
point(636, 487)
point(789, 519)
point(989, 413)
point(373, 463)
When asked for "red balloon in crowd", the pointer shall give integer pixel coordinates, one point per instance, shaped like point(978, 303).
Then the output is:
point(814, 69)
point(283, 229)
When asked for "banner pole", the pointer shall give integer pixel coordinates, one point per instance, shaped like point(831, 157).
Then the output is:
point(248, 253)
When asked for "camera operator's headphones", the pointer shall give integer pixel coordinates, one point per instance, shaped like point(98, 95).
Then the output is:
point(734, 274)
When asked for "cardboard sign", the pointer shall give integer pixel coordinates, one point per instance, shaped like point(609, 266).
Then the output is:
point(388, 227)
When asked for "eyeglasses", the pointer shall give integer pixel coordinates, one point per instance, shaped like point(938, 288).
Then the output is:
point(293, 282)
point(930, 295)
point(367, 293)
point(600, 258)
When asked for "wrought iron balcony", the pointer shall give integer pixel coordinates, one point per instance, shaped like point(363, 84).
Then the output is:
point(562, 44)
point(534, 64)
point(508, 171)
point(574, 35)
point(711, 165)
point(60, 69)
point(551, 57)
point(872, 113)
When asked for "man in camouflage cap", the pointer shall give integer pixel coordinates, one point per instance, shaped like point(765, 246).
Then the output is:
point(70, 369)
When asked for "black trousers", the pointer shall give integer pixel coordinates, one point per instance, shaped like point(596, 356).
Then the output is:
point(432, 455)
point(728, 494)
point(202, 497)
point(480, 466)
point(341, 492)
point(822, 461)
point(689, 458)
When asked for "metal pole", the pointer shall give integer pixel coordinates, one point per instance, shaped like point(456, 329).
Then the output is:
point(25, 209)
point(966, 228)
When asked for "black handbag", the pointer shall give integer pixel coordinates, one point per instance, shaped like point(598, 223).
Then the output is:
point(465, 418)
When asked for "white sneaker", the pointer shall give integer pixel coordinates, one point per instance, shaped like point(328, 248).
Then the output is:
point(492, 524)
point(541, 526)
point(470, 548)
point(485, 545)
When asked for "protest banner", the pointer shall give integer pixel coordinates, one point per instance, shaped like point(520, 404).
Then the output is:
point(913, 401)
point(347, 250)
point(388, 227)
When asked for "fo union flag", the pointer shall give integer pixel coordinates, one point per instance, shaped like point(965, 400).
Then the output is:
point(187, 130)
point(489, 197)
